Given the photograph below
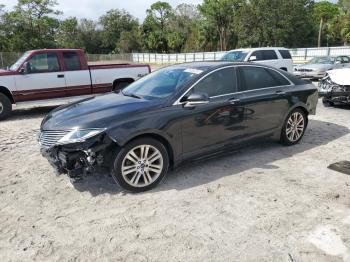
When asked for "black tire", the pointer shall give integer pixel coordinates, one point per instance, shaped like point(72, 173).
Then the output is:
point(326, 102)
point(285, 136)
point(120, 85)
point(5, 107)
point(120, 158)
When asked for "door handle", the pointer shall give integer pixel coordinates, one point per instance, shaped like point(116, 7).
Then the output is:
point(60, 76)
point(234, 101)
point(282, 93)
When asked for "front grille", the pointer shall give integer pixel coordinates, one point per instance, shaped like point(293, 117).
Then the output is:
point(304, 70)
point(48, 139)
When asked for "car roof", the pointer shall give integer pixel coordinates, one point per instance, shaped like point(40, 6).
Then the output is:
point(259, 48)
point(210, 65)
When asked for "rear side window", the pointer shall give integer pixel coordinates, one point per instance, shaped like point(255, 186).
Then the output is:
point(279, 78)
point(71, 61)
point(269, 55)
point(285, 54)
point(221, 82)
point(256, 78)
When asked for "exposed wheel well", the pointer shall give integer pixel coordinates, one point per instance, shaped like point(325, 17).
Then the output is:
point(122, 80)
point(7, 93)
point(305, 112)
point(160, 139)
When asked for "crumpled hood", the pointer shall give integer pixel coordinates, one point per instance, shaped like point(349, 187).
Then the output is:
point(96, 112)
point(316, 66)
point(340, 76)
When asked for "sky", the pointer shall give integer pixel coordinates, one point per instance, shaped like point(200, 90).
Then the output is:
point(93, 9)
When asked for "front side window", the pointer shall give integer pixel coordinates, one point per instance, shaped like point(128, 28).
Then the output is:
point(71, 61)
point(42, 63)
point(345, 59)
point(258, 77)
point(221, 82)
point(258, 55)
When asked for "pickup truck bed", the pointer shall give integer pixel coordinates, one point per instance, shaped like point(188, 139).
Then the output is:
point(61, 73)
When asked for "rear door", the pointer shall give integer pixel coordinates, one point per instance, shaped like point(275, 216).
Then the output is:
point(43, 78)
point(77, 77)
point(265, 99)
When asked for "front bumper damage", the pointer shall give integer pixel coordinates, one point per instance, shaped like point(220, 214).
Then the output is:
point(333, 92)
point(78, 160)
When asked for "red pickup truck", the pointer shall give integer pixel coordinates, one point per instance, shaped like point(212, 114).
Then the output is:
point(57, 73)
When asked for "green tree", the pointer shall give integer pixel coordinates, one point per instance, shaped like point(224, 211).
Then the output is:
point(33, 24)
point(156, 25)
point(91, 37)
point(323, 12)
point(220, 13)
point(287, 24)
point(69, 35)
point(114, 23)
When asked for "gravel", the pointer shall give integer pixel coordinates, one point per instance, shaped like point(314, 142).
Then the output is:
point(265, 202)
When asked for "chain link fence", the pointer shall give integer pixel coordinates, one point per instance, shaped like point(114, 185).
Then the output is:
point(300, 55)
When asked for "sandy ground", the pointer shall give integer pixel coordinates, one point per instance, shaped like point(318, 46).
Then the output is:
point(262, 203)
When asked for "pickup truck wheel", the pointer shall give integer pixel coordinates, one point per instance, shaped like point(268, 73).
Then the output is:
point(5, 107)
point(140, 165)
point(120, 85)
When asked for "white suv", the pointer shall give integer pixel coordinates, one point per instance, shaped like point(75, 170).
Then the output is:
point(277, 57)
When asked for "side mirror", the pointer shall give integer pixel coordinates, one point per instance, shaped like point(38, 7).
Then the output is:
point(338, 62)
point(196, 99)
point(252, 58)
point(25, 68)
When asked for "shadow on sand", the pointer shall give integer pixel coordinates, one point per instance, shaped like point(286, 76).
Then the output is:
point(202, 172)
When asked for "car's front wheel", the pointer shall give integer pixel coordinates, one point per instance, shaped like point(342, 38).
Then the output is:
point(294, 127)
point(140, 165)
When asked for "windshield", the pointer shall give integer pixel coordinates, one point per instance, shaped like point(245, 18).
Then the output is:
point(322, 60)
point(16, 65)
point(235, 56)
point(161, 83)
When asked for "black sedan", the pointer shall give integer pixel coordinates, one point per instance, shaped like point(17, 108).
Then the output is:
point(178, 113)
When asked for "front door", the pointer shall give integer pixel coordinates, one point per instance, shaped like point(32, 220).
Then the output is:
point(213, 125)
point(42, 79)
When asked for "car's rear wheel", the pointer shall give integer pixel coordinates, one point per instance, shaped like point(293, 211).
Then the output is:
point(140, 165)
point(294, 127)
point(5, 106)
point(326, 102)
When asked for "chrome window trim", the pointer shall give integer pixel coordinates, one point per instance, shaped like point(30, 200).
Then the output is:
point(177, 102)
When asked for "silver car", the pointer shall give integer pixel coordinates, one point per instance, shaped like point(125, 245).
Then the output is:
point(317, 67)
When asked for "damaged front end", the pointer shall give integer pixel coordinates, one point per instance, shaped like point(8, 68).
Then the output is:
point(333, 92)
point(77, 153)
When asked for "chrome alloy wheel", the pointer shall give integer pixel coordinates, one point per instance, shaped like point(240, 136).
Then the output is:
point(142, 165)
point(295, 126)
point(1, 108)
